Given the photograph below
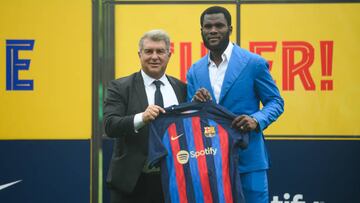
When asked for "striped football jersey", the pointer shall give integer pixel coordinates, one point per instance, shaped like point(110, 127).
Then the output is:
point(197, 151)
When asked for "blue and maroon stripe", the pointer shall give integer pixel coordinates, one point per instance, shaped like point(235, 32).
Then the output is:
point(221, 142)
point(185, 179)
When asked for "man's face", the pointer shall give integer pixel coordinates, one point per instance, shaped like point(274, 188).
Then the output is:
point(215, 31)
point(154, 58)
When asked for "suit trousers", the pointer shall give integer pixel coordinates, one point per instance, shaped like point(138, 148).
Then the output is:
point(148, 189)
point(255, 186)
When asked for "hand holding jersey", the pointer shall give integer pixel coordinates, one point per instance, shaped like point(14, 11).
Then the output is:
point(243, 122)
point(151, 112)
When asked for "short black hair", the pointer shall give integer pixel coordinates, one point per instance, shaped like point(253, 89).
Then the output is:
point(214, 10)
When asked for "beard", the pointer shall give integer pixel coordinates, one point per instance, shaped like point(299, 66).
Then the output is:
point(219, 48)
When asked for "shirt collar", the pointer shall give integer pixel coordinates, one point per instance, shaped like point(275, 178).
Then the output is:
point(149, 80)
point(226, 54)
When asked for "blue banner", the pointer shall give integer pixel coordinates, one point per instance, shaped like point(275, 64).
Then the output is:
point(45, 171)
point(314, 171)
point(303, 171)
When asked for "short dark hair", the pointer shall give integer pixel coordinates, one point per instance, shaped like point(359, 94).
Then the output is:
point(214, 10)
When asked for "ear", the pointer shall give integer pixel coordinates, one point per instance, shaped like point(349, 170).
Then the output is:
point(230, 29)
point(139, 54)
point(169, 54)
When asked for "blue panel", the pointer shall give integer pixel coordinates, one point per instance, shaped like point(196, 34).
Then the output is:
point(50, 171)
point(320, 171)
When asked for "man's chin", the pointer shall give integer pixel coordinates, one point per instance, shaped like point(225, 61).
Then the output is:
point(218, 47)
point(213, 46)
point(155, 74)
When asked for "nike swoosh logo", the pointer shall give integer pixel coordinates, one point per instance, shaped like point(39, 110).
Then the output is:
point(176, 137)
point(9, 184)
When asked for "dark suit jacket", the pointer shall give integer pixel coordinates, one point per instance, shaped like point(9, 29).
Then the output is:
point(125, 98)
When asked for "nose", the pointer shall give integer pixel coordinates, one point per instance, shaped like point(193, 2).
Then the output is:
point(154, 55)
point(213, 29)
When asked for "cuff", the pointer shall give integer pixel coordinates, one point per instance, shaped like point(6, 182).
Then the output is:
point(138, 122)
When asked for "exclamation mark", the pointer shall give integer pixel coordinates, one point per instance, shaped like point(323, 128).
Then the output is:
point(326, 48)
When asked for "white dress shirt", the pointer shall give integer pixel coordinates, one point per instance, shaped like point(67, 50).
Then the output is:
point(169, 96)
point(217, 73)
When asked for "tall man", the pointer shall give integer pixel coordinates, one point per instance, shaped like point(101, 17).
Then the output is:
point(132, 102)
point(238, 80)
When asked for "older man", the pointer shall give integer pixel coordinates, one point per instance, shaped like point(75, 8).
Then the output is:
point(132, 102)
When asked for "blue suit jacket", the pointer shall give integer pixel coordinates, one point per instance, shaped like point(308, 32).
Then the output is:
point(247, 82)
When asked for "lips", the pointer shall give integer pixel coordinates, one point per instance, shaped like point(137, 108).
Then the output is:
point(154, 64)
point(214, 39)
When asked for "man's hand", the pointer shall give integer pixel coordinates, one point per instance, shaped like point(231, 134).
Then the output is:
point(151, 112)
point(244, 123)
point(202, 95)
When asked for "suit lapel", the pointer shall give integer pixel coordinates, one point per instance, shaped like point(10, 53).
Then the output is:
point(140, 90)
point(203, 73)
point(236, 65)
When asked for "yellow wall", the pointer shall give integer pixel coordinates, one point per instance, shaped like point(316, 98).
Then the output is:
point(309, 110)
point(312, 112)
point(181, 22)
point(59, 106)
